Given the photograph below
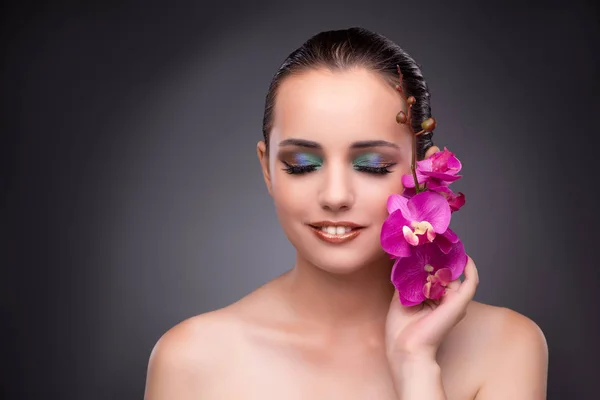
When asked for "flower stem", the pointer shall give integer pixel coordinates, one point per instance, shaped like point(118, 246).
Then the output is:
point(413, 162)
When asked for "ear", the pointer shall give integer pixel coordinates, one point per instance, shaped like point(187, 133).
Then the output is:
point(431, 151)
point(263, 158)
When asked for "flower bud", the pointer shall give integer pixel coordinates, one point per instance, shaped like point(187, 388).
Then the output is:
point(428, 125)
point(401, 117)
point(411, 100)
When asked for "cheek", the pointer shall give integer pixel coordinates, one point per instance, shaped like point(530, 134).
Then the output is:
point(291, 195)
point(378, 194)
point(383, 186)
point(375, 193)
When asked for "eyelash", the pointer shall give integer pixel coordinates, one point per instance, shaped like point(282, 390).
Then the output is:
point(303, 169)
point(299, 169)
point(375, 170)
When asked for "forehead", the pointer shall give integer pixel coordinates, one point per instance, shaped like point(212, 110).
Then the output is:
point(336, 108)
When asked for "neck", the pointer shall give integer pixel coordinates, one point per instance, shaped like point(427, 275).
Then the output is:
point(355, 300)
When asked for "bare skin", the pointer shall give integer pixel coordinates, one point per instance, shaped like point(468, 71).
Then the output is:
point(332, 326)
point(257, 349)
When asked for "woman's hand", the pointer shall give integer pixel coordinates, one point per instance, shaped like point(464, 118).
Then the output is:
point(414, 334)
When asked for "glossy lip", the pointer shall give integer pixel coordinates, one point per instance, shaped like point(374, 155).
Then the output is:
point(335, 239)
point(321, 224)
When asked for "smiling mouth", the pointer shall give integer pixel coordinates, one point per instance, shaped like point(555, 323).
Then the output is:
point(336, 233)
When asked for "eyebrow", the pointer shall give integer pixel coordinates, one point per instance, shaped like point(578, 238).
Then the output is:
point(356, 145)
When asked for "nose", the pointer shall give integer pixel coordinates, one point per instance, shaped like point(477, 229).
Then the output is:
point(337, 192)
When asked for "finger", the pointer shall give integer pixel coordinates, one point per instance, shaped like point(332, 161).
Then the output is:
point(458, 295)
point(454, 285)
point(468, 287)
point(451, 292)
point(396, 306)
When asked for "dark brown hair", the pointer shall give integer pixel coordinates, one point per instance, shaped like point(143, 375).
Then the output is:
point(356, 47)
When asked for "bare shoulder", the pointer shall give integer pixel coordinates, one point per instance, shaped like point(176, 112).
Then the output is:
point(506, 329)
point(515, 350)
point(191, 359)
point(189, 354)
point(502, 323)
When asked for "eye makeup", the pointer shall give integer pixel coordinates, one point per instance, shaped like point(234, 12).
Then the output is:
point(298, 163)
point(373, 163)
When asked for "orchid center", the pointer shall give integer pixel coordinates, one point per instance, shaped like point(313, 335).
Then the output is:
point(418, 232)
point(435, 286)
point(420, 228)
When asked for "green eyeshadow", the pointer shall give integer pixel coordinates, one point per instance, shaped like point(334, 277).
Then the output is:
point(305, 159)
point(368, 160)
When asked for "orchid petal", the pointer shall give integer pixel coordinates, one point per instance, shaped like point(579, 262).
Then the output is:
point(424, 165)
point(395, 202)
point(435, 291)
point(408, 276)
point(455, 260)
point(443, 176)
point(443, 243)
point(409, 192)
point(446, 240)
point(430, 235)
point(454, 164)
point(440, 159)
point(392, 237)
point(444, 276)
point(408, 181)
point(410, 236)
point(427, 290)
point(431, 207)
point(445, 160)
point(407, 303)
point(437, 185)
point(456, 202)
point(450, 235)
point(402, 207)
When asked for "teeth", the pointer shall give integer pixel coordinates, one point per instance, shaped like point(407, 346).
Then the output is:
point(336, 230)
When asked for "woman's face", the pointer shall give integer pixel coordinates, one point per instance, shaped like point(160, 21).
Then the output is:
point(336, 154)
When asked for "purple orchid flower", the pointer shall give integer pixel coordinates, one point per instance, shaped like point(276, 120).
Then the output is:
point(427, 271)
point(415, 221)
point(437, 172)
point(441, 168)
point(455, 201)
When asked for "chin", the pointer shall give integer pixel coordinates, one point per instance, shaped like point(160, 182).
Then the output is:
point(337, 265)
point(344, 260)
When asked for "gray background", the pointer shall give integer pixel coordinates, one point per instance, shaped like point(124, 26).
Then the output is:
point(132, 197)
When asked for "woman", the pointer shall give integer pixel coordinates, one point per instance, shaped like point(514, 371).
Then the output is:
point(332, 327)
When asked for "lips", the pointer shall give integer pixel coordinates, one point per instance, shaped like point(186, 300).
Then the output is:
point(336, 232)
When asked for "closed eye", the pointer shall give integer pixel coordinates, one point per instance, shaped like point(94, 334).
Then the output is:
point(299, 169)
point(379, 170)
